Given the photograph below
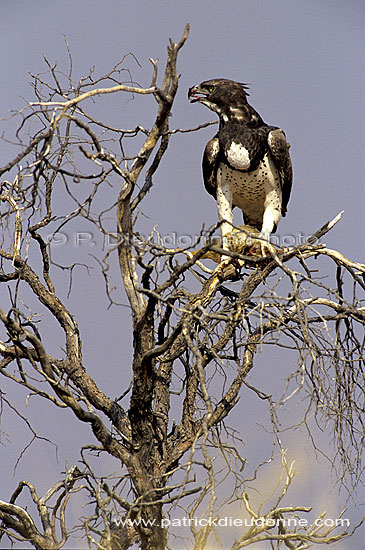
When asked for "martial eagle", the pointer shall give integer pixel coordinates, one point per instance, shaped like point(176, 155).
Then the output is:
point(247, 163)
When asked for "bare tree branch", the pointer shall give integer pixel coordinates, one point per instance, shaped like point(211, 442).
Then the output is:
point(196, 335)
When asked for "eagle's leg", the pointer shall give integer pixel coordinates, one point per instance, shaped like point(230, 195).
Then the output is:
point(270, 220)
point(225, 216)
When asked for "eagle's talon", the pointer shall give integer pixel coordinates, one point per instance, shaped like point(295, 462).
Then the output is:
point(263, 249)
point(269, 247)
point(229, 268)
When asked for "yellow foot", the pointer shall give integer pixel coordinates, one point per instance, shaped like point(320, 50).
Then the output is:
point(267, 249)
point(228, 269)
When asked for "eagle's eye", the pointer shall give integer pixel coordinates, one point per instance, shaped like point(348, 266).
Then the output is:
point(210, 88)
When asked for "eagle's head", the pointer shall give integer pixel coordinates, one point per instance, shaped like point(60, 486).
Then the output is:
point(221, 95)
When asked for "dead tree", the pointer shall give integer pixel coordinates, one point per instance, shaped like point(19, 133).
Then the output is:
point(193, 348)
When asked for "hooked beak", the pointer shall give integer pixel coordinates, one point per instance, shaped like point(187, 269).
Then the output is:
point(195, 94)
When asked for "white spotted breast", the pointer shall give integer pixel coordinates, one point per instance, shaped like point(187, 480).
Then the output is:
point(250, 190)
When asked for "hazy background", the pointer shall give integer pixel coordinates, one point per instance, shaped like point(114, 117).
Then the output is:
point(304, 61)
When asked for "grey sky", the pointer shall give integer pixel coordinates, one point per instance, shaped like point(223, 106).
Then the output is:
point(304, 61)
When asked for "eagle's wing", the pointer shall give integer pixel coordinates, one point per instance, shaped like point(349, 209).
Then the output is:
point(279, 149)
point(210, 161)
